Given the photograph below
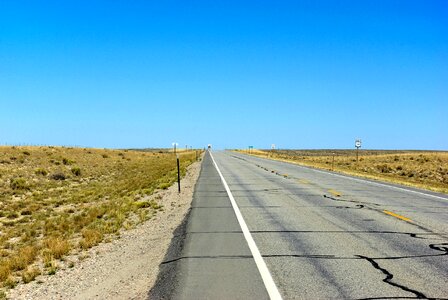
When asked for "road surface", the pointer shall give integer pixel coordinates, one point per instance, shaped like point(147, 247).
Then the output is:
point(318, 235)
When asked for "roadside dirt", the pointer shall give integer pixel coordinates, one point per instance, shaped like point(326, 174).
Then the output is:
point(125, 268)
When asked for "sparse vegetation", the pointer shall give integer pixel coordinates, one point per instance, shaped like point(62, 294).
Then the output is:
point(30, 274)
point(85, 199)
point(56, 247)
point(18, 184)
point(90, 238)
point(76, 171)
point(421, 169)
point(40, 171)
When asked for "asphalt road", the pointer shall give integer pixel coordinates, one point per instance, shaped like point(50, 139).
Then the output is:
point(320, 235)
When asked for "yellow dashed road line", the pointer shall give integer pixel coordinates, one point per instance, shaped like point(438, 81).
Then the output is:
point(397, 216)
point(335, 193)
point(304, 181)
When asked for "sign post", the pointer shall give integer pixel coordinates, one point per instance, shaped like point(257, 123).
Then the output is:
point(332, 164)
point(178, 173)
point(174, 146)
point(250, 148)
point(357, 145)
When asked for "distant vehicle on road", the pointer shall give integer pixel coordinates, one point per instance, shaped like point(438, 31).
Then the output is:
point(209, 146)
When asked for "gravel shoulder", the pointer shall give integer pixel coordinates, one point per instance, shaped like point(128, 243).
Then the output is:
point(125, 268)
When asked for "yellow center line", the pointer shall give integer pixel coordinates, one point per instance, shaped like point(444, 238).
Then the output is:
point(397, 216)
point(335, 193)
point(304, 181)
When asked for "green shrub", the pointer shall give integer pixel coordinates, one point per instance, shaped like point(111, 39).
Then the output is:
point(41, 171)
point(155, 205)
point(76, 171)
point(67, 161)
point(142, 204)
point(164, 185)
point(18, 184)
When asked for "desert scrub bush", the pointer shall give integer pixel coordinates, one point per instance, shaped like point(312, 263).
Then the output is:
point(90, 238)
point(58, 176)
point(18, 184)
point(10, 282)
point(26, 212)
point(56, 247)
point(30, 274)
point(164, 185)
point(155, 205)
point(12, 215)
point(142, 204)
point(143, 215)
point(52, 267)
point(67, 161)
point(384, 168)
point(76, 171)
point(41, 171)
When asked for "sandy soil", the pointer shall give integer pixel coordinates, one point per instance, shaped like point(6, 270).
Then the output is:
point(125, 268)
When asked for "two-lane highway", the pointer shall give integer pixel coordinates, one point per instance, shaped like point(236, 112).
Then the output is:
point(320, 235)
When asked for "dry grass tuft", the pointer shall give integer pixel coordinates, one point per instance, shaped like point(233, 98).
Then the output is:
point(30, 274)
point(56, 247)
point(5, 272)
point(23, 258)
point(90, 238)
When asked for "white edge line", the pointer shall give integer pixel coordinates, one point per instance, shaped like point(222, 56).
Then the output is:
point(261, 265)
point(360, 180)
point(381, 184)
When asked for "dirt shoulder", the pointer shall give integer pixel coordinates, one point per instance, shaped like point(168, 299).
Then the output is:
point(125, 268)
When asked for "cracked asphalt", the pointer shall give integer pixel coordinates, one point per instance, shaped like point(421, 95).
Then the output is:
point(321, 236)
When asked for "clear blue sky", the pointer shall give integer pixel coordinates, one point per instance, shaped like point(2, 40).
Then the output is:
point(300, 74)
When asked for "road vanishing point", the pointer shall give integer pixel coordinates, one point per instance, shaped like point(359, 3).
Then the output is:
point(263, 229)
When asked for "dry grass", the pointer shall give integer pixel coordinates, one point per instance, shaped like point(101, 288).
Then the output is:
point(54, 200)
point(30, 274)
point(90, 238)
point(56, 247)
point(421, 169)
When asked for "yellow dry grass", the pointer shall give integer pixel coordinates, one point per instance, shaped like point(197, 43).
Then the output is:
point(54, 200)
point(420, 169)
